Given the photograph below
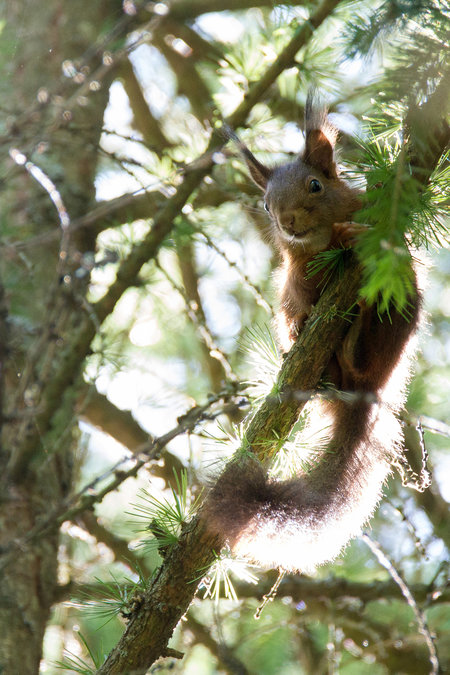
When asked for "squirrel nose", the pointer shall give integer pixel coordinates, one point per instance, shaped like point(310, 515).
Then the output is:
point(287, 220)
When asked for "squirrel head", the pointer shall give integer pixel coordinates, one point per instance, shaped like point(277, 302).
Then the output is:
point(304, 198)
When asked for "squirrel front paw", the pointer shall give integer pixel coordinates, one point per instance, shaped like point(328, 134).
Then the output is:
point(295, 326)
point(346, 234)
point(289, 328)
point(293, 331)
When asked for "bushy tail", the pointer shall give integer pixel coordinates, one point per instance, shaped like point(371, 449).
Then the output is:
point(301, 523)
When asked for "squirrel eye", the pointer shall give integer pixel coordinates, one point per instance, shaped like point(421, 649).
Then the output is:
point(266, 208)
point(315, 185)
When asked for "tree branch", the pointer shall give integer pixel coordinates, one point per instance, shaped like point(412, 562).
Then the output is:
point(312, 592)
point(222, 652)
point(97, 410)
point(186, 262)
point(285, 60)
point(145, 123)
point(68, 363)
point(86, 498)
point(118, 546)
point(189, 82)
point(408, 596)
point(145, 638)
point(3, 352)
point(430, 130)
point(189, 9)
point(308, 589)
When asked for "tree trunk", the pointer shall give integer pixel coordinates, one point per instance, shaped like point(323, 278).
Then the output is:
point(59, 133)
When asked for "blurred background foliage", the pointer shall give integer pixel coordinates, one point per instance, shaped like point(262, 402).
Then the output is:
point(180, 331)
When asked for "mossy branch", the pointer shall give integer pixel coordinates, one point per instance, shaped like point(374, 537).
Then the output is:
point(150, 628)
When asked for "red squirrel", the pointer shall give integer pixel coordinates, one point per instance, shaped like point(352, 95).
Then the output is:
point(302, 522)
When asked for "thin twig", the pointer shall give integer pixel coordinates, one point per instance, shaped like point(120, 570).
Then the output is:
point(422, 480)
point(410, 526)
point(425, 475)
point(429, 423)
point(254, 290)
point(87, 497)
point(420, 617)
point(194, 315)
point(272, 594)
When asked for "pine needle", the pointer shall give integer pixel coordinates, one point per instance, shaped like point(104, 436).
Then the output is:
point(263, 356)
point(163, 517)
point(219, 583)
point(77, 664)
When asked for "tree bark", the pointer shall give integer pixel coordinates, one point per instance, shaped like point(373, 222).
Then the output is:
point(63, 143)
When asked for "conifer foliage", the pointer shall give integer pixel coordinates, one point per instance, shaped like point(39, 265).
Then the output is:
point(137, 350)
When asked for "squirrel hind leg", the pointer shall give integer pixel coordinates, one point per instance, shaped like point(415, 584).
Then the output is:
point(373, 347)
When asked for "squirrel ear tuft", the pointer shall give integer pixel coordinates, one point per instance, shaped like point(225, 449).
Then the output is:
point(320, 139)
point(259, 172)
point(319, 153)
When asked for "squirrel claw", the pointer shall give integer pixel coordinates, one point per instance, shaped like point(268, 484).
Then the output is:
point(296, 326)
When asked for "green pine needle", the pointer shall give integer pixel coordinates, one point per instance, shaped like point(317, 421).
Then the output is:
point(398, 211)
point(76, 664)
point(219, 583)
point(263, 355)
point(115, 597)
point(163, 517)
point(331, 262)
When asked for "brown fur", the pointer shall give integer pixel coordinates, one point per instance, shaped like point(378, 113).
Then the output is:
point(300, 523)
